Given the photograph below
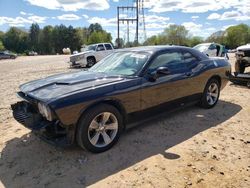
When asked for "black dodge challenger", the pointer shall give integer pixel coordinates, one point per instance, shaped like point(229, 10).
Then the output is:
point(93, 107)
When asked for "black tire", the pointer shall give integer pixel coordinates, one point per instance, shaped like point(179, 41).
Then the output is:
point(91, 61)
point(239, 67)
point(204, 103)
point(82, 134)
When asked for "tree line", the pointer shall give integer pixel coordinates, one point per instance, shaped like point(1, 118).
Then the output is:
point(52, 39)
point(232, 37)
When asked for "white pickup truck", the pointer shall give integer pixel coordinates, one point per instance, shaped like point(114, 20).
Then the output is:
point(92, 54)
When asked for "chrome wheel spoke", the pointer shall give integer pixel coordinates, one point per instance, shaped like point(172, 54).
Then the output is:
point(95, 138)
point(214, 95)
point(105, 117)
point(111, 126)
point(94, 125)
point(106, 137)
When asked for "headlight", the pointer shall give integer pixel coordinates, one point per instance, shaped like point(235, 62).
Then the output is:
point(45, 111)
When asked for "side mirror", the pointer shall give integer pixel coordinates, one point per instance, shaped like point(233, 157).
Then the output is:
point(162, 71)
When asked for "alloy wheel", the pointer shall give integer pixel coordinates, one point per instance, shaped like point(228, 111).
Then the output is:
point(103, 129)
point(212, 94)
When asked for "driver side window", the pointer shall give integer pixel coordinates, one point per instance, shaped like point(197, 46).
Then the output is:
point(100, 47)
point(172, 60)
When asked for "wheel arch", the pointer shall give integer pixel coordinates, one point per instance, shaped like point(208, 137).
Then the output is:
point(113, 102)
point(217, 77)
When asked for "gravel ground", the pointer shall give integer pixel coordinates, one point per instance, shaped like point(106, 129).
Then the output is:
point(189, 148)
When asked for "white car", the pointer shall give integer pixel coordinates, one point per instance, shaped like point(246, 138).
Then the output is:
point(92, 55)
point(211, 49)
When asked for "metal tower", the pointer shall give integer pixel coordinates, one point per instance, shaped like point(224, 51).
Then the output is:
point(137, 10)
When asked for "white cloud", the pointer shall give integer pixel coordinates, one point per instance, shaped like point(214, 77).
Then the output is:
point(213, 16)
point(37, 19)
point(230, 15)
point(23, 13)
point(71, 5)
point(198, 6)
point(193, 28)
point(69, 17)
point(195, 17)
point(103, 21)
point(85, 16)
point(155, 18)
point(21, 21)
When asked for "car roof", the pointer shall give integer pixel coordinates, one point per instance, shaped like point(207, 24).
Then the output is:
point(158, 48)
point(153, 49)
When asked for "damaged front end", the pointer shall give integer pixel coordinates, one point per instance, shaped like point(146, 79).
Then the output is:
point(51, 131)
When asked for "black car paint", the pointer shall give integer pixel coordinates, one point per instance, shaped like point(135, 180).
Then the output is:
point(70, 95)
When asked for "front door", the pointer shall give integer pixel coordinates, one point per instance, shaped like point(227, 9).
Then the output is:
point(100, 52)
point(168, 87)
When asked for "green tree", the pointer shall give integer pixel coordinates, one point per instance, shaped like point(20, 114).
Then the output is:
point(34, 36)
point(94, 28)
point(153, 40)
point(16, 40)
point(237, 35)
point(176, 34)
point(193, 41)
point(99, 36)
point(1, 46)
point(46, 40)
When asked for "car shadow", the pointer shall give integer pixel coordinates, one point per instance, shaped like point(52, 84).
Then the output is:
point(29, 162)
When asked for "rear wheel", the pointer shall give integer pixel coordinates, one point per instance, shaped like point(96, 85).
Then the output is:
point(211, 94)
point(99, 128)
point(239, 67)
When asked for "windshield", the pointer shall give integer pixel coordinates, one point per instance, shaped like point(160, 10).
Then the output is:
point(202, 47)
point(121, 63)
point(91, 47)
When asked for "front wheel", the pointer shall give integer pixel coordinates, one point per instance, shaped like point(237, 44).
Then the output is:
point(211, 94)
point(90, 62)
point(99, 128)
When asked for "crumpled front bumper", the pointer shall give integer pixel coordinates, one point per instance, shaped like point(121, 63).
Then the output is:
point(50, 131)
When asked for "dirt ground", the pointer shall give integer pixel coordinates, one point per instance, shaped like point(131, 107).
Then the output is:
point(189, 148)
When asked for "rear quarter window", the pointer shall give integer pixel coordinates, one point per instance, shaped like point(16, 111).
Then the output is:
point(108, 47)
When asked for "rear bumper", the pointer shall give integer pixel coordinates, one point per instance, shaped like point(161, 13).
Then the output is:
point(50, 131)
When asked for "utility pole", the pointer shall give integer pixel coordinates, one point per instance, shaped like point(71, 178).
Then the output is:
point(136, 10)
point(137, 23)
point(122, 9)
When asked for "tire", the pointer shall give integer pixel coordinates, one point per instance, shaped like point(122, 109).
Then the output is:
point(91, 136)
point(91, 61)
point(211, 94)
point(239, 67)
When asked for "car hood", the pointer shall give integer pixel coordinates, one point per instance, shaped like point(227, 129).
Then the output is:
point(244, 47)
point(57, 86)
point(82, 53)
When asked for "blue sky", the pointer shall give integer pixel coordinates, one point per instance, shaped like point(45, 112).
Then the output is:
point(200, 17)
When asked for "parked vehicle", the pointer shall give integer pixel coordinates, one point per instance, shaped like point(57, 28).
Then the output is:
point(7, 55)
point(93, 107)
point(242, 58)
point(91, 56)
point(212, 49)
point(32, 53)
